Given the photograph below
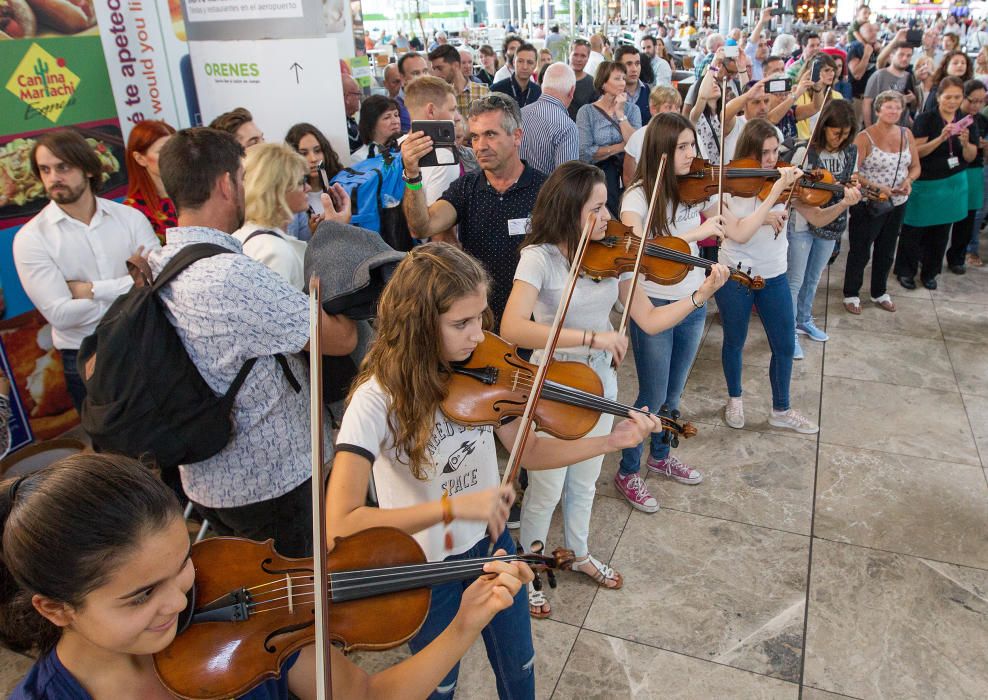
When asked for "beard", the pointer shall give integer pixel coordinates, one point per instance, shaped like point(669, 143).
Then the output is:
point(66, 194)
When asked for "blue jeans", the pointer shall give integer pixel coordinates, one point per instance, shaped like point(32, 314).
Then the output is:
point(775, 312)
point(663, 362)
point(73, 382)
point(508, 637)
point(808, 257)
point(972, 246)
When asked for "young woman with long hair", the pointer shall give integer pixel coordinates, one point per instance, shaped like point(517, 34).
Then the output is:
point(95, 570)
point(755, 238)
point(663, 359)
point(954, 63)
point(145, 192)
point(816, 230)
point(573, 193)
point(310, 143)
point(435, 478)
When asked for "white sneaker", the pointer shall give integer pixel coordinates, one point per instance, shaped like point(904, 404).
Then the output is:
point(793, 420)
point(734, 412)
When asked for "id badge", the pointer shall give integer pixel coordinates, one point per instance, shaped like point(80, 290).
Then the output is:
point(953, 162)
point(517, 227)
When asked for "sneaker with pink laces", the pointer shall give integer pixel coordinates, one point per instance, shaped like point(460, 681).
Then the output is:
point(632, 487)
point(674, 469)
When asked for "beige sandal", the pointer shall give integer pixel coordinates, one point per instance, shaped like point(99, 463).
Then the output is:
point(853, 306)
point(538, 606)
point(604, 575)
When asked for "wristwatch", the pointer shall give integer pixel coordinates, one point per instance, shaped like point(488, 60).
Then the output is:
point(622, 118)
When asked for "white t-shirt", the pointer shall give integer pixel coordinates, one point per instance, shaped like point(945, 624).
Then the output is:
point(546, 268)
point(687, 219)
point(315, 202)
point(463, 461)
point(635, 144)
point(763, 253)
point(280, 252)
point(503, 73)
point(593, 63)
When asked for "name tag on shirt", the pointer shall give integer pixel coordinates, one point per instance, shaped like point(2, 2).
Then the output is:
point(953, 162)
point(517, 227)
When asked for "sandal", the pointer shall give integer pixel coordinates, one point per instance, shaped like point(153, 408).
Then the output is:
point(852, 305)
point(885, 302)
point(604, 575)
point(538, 606)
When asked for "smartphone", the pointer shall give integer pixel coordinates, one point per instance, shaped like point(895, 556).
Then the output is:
point(961, 125)
point(730, 51)
point(914, 37)
point(323, 176)
point(443, 135)
point(777, 11)
point(778, 85)
point(815, 72)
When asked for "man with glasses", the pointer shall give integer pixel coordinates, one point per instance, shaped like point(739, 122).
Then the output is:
point(351, 104)
point(491, 208)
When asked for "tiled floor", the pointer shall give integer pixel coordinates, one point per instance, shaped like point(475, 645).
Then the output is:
point(849, 564)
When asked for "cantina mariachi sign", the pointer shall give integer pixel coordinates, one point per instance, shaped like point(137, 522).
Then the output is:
point(44, 83)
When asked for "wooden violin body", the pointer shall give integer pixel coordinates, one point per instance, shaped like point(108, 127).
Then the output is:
point(494, 385)
point(251, 608)
point(667, 259)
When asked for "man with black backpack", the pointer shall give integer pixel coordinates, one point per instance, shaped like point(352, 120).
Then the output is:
point(228, 309)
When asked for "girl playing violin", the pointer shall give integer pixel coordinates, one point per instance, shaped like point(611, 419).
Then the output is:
point(573, 193)
point(663, 359)
point(437, 479)
point(816, 230)
point(96, 566)
point(751, 230)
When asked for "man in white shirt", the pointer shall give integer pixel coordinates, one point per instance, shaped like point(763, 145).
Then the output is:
point(511, 44)
point(72, 257)
point(596, 55)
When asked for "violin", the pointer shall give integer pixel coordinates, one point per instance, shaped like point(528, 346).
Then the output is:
point(250, 608)
point(494, 384)
point(667, 259)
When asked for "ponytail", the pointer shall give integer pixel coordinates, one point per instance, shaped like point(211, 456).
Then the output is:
point(63, 531)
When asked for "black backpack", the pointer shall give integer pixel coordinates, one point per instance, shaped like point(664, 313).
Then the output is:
point(144, 395)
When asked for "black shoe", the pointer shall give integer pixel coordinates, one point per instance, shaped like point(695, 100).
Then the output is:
point(907, 282)
point(930, 284)
point(514, 517)
point(957, 269)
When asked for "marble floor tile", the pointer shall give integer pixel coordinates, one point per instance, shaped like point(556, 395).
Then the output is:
point(913, 317)
point(971, 288)
point(902, 504)
point(706, 395)
point(716, 590)
point(884, 625)
point(552, 640)
point(903, 420)
point(757, 352)
point(13, 667)
point(970, 362)
point(815, 694)
point(607, 668)
point(959, 321)
point(755, 478)
point(893, 359)
point(977, 413)
point(570, 600)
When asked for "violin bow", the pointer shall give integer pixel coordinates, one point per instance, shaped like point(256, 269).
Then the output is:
point(324, 670)
point(723, 138)
point(649, 215)
point(806, 153)
point(527, 418)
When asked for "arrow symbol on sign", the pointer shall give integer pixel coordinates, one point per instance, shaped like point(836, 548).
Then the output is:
point(296, 67)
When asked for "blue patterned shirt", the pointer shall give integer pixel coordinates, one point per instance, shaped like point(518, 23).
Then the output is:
point(228, 309)
point(549, 136)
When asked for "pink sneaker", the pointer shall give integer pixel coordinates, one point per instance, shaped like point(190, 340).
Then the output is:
point(674, 469)
point(632, 487)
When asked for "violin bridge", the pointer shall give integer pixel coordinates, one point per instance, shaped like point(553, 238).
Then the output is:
point(291, 599)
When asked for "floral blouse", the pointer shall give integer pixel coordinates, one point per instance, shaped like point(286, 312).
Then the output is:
point(161, 220)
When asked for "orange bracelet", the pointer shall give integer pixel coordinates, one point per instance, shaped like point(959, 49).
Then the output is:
point(447, 508)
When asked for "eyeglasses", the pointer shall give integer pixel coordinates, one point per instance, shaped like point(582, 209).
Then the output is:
point(353, 94)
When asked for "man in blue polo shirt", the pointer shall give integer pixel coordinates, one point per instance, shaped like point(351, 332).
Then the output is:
point(491, 208)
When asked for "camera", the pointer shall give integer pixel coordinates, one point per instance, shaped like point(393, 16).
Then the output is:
point(914, 37)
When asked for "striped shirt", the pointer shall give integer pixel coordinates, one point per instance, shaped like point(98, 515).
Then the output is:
point(550, 137)
point(471, 91)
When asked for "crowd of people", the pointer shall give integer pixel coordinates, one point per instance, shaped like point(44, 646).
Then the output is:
point(550, 143)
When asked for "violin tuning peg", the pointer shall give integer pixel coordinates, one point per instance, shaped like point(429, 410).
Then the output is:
point(674, 442)
point(551, 577)
point(537, 581)
point(675, 415)
point(536, 547)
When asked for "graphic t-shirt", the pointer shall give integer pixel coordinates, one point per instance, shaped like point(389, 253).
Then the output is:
point(463, 460)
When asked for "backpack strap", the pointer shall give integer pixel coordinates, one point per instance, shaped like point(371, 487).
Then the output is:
point(287, 371)
point(248, 365)
point(185, 257)
point(260, 232)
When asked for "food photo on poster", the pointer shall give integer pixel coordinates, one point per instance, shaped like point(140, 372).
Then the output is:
point(24, 19)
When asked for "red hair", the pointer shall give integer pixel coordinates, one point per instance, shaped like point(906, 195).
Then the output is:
point(142, 137)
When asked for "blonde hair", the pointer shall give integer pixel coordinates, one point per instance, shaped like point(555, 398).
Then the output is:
point(665, 95)
point(272, 171)
point(406, 359)
point(426, 89)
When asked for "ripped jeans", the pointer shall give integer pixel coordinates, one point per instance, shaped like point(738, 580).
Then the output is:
point(508, 637)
